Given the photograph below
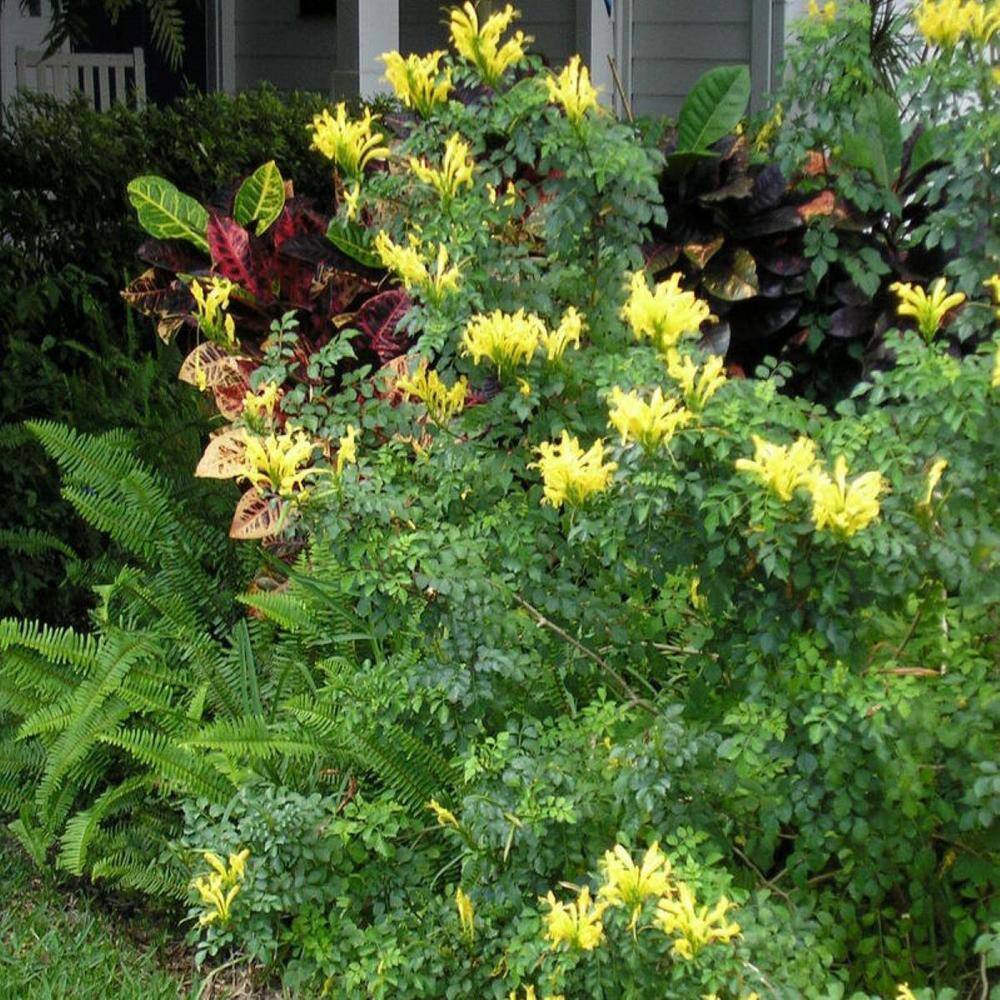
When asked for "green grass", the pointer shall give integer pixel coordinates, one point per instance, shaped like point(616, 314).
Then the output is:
point(56, 942)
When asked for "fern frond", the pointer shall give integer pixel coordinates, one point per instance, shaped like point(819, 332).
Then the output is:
point(167, 24)
point(61, 645)
point(283, 609)
point(254, 739)
point(130, 870)
point(32, 542)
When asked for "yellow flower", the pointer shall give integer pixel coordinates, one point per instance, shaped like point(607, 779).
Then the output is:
point(445, 817)
point(408, 262)
point(946, 22)
point(466, 913)
point(524, 387)
point(995, 378)
point(507, 339)
point(934, 474)
point(211, 298)
point(827, 15)
point(698, 600)
point(782, 469)
point(455, 172)
point(568, 332)
point(767, 132)
point(691, 926)
point(480, 44)
point(903, 992)
point(650, 424)
point(578, 924)
point(220, 887)
point(570, 474)
point(278, 462)
point(630, 885)
point(263, 402)
point(350, 144)
point(697, 387)
point(981, 21)
point(442, 403)
point(845, 508)
point(347, 449)
point(927, 310)
point(351, 197)
point(663, 314)
point(572, 90)
point(993, 284)
point(418, 81)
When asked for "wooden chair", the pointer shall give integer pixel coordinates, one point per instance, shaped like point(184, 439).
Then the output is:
point(106, 78)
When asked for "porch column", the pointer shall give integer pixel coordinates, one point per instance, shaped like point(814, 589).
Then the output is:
point(595, 41)
point(365, 29)
point(220, 45)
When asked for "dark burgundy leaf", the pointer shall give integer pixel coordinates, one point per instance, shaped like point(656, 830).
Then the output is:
point(660, 256)
point(234, 258)
point(378, 318)
point(849, 322)
point(848, 294)
point(781, 220)
point(297, 218)
point(768, 188)
point(155, 293)
point(173, 255)
point(783, 264)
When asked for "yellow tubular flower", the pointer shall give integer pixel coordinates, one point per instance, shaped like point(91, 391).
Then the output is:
point(993, 282)
point(827, 15)
point(572, 90)
point(942, 22)
point(782, 469)
point(455, 171)
point(903, 992)
point(263, 402)
point(568, 332)
point(981, 21)
point(934, 474)
point(651, 424)
point(418, 81)
point(578, 924)
point(630, 885)
point(466, 913)
point(278, 463)
point(445, 817)
point(927, 310)
point(995, 378)
point(351, 197)
point(506, 339)
point(841, 507)
point(408, 263)
point(663, 314)
point(347, 450)
point(698, 387)
point(211, 298)
point(221, 886)
point(352, 145)
point(480, 44)
point(570, 474)
point(691, 926)
point(442, 403)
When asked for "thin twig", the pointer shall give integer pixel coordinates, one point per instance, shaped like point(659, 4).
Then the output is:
point(743, 857)
point(621, 90)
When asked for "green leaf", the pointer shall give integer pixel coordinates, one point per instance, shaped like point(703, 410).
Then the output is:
point(929, 147)
point(885, 116)
point(167, 213)
point(261, 197)
point(713, 108)
point(353, 240)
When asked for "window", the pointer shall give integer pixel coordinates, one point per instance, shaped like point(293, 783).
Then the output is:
point(317, 8)
point(33, 8)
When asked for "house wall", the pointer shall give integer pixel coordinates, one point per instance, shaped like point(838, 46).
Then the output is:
point(273, 43)
point(18, 29)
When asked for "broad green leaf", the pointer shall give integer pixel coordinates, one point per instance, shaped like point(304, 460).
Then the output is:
point(929, 147)
point(885, 114)
point(261, 197)
point(166, 213)
point(713, 108)
point(354, 241)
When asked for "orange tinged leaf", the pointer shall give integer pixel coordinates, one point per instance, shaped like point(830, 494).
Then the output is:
point(224, 456)
point(208, 366)
point(256, 516)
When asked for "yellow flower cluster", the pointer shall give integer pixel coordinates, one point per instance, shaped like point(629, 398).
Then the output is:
point(479, 44)
point(454, 173)
point(572, 90)
point(841, 507)
point(347, 450)
point(511, 339)
point(466, 914)
point(827, 14)
point(263, 402)
point(665, 313)
point(408, 262)
point(630, 885)
point(569, 474)
point(698, 386)
point(945, 23)
point(442, 403)
point(211, 300)
point(351, 145)
point(692, 926)
point(651, 424)
point(554, 342)
point(418, 80)
point(530, 994)
point(279, 462)
point(927, 310)
point(221, 886)
point(578, 924)
point(445, 817)
point(934, 474)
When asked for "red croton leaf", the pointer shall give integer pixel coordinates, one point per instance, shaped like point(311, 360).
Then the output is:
point(378, 319)
point(234, 258)
point(257, 516)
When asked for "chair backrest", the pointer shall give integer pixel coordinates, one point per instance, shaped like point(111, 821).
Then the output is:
point(106, 78)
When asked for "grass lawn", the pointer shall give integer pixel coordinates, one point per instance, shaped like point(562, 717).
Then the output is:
point(55, 942)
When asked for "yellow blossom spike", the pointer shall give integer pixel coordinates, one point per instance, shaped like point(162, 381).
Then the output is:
point(841, 507)
point(211, 298)
point(934, 474)
point(466, 913)
point(572, 90)
point(665, 313)
point(782, 469)
point(555, 342)
point(433, 282)
point(982, 21)
point(694, 927)
point(827, 14)
point(263, 402)
point(347, 450)
point(995, 377)
point(215, 862)
point(445, 817)
point(278, 462)
point(570, 475)
point(454, 173)
point(697, 385)
point(418, 80)
point(993, 284)
point(629, 885)
point(576, 925)
point(480, 45)
point(927, 310)
point(351, 145)
point(651, 424)
point(443, 404)
point(903, 992)
point(351, 198)
point(506, 339)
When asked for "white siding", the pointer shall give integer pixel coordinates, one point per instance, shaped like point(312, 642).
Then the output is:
point(273, 43)
point(18, 30)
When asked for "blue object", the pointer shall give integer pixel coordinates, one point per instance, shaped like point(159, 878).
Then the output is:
point(610, 5)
